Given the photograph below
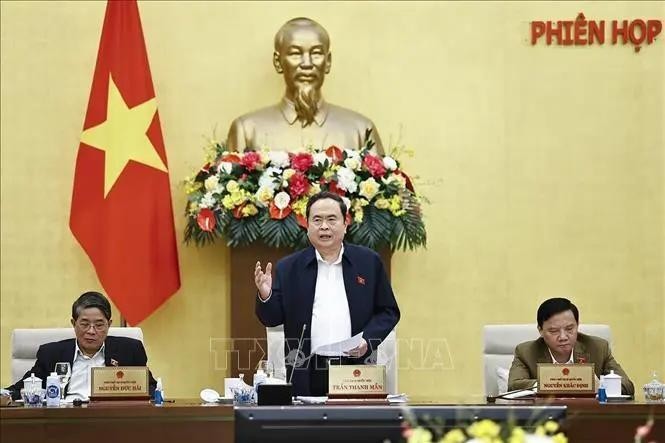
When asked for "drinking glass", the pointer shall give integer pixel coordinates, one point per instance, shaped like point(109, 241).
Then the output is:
point(64, 372)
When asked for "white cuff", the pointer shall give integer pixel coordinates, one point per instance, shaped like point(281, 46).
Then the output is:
point(262, 300)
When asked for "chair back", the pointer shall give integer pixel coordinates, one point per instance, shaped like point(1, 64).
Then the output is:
point(26, 342)
point(499, 342)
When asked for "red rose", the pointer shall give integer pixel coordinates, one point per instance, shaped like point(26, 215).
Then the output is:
point(298, 185)
point(335, 189)
point(374, 165)
point(206, 220)
point(279, 214)
point(250, 160)
point(302, 162)
point(335, 153)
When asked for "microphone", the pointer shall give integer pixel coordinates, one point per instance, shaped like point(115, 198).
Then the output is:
point(494, 398)
point(295, 360)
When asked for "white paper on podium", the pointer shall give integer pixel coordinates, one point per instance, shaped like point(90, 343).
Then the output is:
point(340, 348)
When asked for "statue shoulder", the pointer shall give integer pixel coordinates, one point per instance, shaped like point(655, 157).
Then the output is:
point(349, 116)
point(258, 116)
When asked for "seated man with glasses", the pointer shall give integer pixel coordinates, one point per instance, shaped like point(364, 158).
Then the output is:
point(91, 319)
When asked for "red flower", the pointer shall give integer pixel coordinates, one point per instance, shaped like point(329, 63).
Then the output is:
point(302, 162)
point(250, 160)
point(335, 153)
point(374, 165)
point(237, 211)
point(279, 214)
point(302, 221)
point(332, 187)
point(206, 220)
point(298, 185)
point(231, 158)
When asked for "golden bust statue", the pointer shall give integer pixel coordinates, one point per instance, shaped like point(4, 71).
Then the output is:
point(302, 118)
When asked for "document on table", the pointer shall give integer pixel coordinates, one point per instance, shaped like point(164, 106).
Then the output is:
point(340, 348)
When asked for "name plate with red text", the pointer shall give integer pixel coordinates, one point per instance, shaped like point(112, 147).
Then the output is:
point(575, 379)
point(119, 382)
point(357, 381)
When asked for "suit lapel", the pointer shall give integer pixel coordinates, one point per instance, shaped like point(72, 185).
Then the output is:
point(580, 354)
point(352, 289)
point(544, 353)
point(110, 357)
point(308, 287)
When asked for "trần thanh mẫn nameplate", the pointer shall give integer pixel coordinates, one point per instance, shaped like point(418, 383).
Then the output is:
point(357, 380)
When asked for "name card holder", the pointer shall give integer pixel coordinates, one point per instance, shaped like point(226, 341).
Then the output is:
point(574, 380)
point(357, 382)
point(119, 383)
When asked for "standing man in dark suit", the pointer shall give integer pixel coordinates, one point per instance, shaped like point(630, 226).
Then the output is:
point(331, 291)
point(91, 319)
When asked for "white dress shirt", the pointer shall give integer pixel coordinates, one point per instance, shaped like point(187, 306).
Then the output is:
point(79, 384)
point(331, 319)
point(569, 362)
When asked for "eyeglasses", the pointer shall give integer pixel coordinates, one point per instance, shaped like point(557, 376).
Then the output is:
point(98, 326)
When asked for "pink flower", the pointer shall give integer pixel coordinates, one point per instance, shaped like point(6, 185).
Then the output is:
point(302, 162)
point(298, 185)
point(250, 160)
point(374, 165)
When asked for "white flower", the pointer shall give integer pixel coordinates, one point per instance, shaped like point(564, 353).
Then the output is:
point(320, 158)
point(352, 163)
point(352, 153)
point(401, 181)
point(267, 179)
point(225, 167)
point(211, 183)
point(347, 202)
point(389, 163)
point(282, 200)
point(279, 158)
point(208, 201)
point(346, 179)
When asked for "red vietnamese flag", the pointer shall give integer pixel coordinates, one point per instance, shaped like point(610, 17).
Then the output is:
point(121, 210)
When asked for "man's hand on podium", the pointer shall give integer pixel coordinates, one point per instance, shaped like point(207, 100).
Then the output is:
point(263, 280)
point(359, 350)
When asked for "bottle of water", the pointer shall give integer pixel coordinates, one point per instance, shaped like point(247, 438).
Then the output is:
point(53, 390)
point(602, 394)
point(159, 393)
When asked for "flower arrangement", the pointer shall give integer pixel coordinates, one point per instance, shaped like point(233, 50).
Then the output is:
point(488, 431)
point(261, 196)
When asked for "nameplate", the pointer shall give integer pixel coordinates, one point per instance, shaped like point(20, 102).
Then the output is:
point(575, 379)
point(357, 380)
point(119, 382)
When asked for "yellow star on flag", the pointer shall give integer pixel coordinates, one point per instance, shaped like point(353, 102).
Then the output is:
point(123, 136)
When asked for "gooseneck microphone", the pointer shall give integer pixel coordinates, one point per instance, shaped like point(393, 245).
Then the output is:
point(295, 360)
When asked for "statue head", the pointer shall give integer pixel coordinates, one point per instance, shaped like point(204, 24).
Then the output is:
point(302, 56)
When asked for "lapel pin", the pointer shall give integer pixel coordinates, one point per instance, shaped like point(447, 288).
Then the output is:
point(361, 281)
point(114, 362)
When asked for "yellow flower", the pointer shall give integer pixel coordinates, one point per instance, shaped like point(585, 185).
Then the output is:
point(551, 426)
point(358, 215)
point(264, 195)
point(540, 431)
point(227, 202)
point(191, 186)
point(420, 435)
point(300, 206)
point(288, 173)
point(369, 188)
point(193, 208)
point(396, 206)
point(249, 210)
point(314, 189)
point(484, 429)
point(517, 435)
point(454, 436)
point(382, 203)
point(239, 197)
point(328, 173)
point(232, 186)
point(211, 151)
point(559, 438)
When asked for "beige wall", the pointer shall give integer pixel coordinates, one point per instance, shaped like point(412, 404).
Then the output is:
point(544, 166)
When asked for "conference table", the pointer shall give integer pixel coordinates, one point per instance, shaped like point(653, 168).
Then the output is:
point(189, 420)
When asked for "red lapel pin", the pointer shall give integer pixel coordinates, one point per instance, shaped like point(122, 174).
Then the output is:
point(360, 280)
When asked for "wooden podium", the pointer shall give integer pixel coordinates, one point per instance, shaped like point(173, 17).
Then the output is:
point(247, 333)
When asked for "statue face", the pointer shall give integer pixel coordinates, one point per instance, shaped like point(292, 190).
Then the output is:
point(303, 58)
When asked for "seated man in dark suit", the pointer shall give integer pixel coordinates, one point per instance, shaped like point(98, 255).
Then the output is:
point(560, 342)
point(91, 319)
point(328, 292)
